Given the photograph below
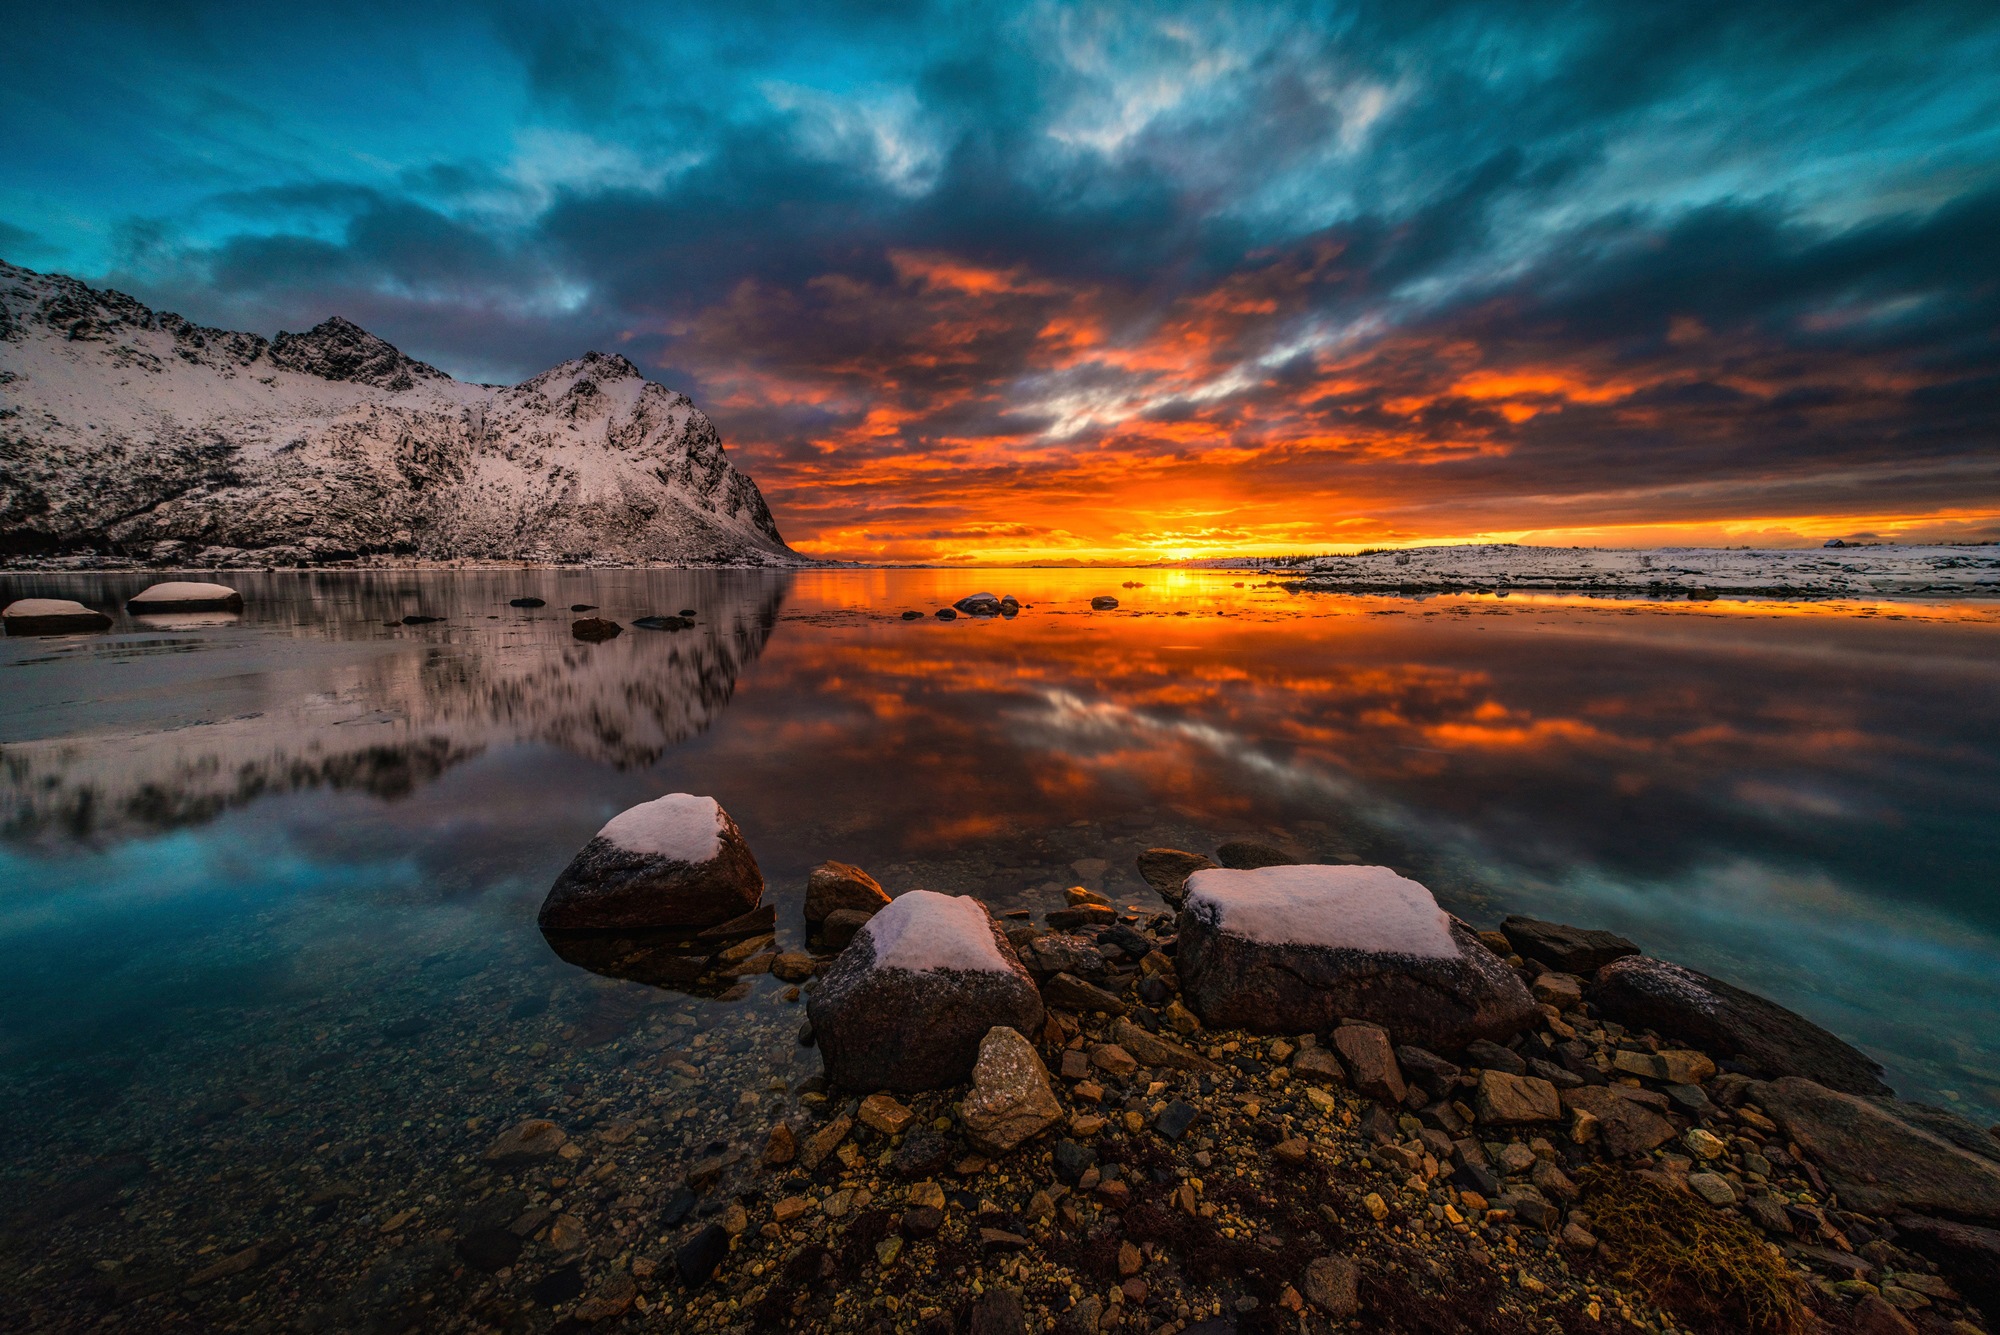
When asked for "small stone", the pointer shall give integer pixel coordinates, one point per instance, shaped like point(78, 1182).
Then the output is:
point(612, 1298)
point(1129, 1259)
point(1000, 1311)
point(1294, 1151)
point(1704, 1144)
point(1067, 992)
point(1153, 1050)
point(837, 1205)
point(566, 1233)
point(1713, 1188)
point(887, 1250)
point(922, 1221)
point(886, 1115)
point(824, 1141)
point(1111, 1058)
point(1503, 1099)
point(1561, 990)
point(927, 1194)
point(1378, 1209)
point(793, 966)
point(533, 1139)
point(1320, 1066)
point(1331, 1283)
point(840, 927)
point(790, 1208)
point(1167, 870)
point(835, 886)
point(782, 1147)
point(1175, 1119)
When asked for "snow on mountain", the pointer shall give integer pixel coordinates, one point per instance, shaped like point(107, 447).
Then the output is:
point(127, 433)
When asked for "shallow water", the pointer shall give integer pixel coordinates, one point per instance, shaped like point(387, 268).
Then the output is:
point(270, 879)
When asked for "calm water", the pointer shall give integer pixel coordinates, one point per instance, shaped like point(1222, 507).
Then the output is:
point(289, 861)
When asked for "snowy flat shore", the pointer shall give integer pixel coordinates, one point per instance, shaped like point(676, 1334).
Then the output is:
point(1842, 572)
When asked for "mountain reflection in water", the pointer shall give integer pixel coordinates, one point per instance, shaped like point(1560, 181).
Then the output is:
point(1802, 799)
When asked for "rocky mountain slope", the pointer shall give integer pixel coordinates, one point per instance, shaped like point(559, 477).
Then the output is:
point(128, 434)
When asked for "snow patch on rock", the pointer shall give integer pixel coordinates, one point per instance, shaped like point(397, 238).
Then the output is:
point(924, 930)
point(1346, 908)
point(45, 607)
point(679, 826)
point(183, 591)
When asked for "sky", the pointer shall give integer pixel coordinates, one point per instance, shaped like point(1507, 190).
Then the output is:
point(1053, 282)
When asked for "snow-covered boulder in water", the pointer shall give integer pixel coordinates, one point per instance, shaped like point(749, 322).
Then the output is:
point(1296, 949)
point(51, 616)
point(905, 1006)
point(678, 861)
point(183, 596)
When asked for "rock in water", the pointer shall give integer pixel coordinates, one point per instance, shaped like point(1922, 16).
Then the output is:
point(833, 886)
point(1577, 950)
point(51, 616)
point(1679, 1003)
point(595, 630)
point(1246, 855)
point(1167, 870)
point(1295, 949)
point(678, 861)
point(1103, 602)
point(1011, 1100)
point(526, 602)
point(1883, 1156)
point(181, 596)
point(907, 1004)
point(979, 605)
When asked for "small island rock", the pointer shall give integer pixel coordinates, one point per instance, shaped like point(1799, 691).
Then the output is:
point(186, 596)
point(678, 861)
point(51, 616)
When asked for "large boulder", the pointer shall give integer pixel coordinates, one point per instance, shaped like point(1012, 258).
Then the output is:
point(833, 886)
point(51, 616)
point(1724, 1021)
point(1883, 1156)
point(186, 596)
point(906, 1005)
point(678, 861)
point(1578, 950)
point(1295, 949)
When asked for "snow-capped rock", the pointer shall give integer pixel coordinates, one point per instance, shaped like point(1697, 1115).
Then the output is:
point(138, 434)
point(51, 616)
point(1296, 949)
point(677, 861)
point(185, 596)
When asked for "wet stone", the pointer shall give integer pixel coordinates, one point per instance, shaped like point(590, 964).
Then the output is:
point(698, 1258)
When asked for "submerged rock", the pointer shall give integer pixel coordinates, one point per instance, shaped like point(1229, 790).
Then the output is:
point(906, 1006)
point(526, 602)
point(51, 616)
point(1574, 950)
point(664, 623)
point(1167, 870)
point(1011, 1100)
point(1680, 1003)
point(1295, 949)
point(1884, 1156)
point(678, 861)
point(186, 596)
point(1103, 602)
point(595, 630)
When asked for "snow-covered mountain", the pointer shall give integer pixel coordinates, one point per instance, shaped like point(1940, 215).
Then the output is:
point(131, 433)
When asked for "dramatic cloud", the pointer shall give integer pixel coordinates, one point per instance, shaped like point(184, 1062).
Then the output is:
point(1099, 281)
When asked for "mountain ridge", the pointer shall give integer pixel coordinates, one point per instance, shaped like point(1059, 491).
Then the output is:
point(134, 436)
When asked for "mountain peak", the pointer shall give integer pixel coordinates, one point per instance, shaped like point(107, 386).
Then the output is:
point(339, 349)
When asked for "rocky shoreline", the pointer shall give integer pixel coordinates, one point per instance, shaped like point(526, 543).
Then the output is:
point(1115, 1164)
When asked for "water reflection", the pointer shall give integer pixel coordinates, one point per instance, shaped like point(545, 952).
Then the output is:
point(322, 686)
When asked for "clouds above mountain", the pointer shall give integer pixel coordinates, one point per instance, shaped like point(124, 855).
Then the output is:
point(972, 282)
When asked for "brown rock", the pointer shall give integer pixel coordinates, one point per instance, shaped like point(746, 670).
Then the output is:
point(1371, 1061)
point(1561, 990)
point(1011, 1100)
point(1505, 1100)
point(535, 1138)
point(1167, 870)
point(1624, 1126)
point(840, 927)
point(1331, 1284)
point(833, 886)
point(782, 1147)
point(612, 1297)
point(1575, 950)
point(1111, 1058)
point(793, 966)
point(1070, 993)
point(824, 1141)
point(886, 1115)
point(1153, 1050)
point(595, 630)
point(1318, 1065)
